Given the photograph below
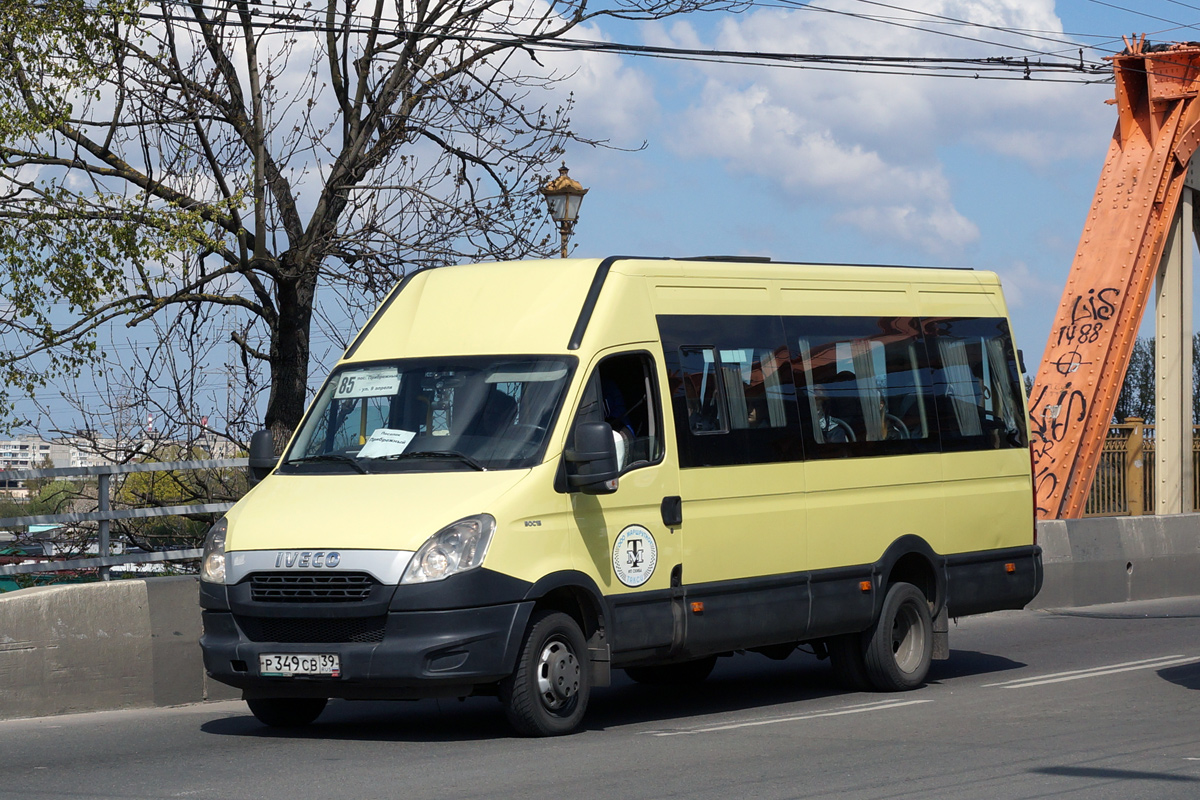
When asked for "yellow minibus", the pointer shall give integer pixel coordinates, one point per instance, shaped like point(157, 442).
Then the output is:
point(521, 476)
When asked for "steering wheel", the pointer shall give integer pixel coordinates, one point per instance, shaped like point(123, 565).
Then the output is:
point(895, 425)
point(836, 422)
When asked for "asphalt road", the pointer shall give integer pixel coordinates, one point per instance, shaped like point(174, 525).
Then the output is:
point(1102, 702)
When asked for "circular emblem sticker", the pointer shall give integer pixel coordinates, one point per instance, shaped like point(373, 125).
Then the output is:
point(634, 555)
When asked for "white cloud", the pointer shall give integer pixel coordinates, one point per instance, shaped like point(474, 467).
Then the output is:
point(869, 148)
point(612, 100)
point(1023, 287)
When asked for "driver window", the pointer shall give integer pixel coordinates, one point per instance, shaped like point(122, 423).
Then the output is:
point(622, 392)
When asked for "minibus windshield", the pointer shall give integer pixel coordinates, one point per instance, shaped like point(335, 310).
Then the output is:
point(425, 415)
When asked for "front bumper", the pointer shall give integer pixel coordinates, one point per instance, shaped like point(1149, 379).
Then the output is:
point(407, 655)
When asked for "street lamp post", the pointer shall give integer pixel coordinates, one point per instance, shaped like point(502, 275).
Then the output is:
point(563, 196)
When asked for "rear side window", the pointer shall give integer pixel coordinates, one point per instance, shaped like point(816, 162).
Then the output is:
point(752, 390)
point(865, 386)
point(977, 384)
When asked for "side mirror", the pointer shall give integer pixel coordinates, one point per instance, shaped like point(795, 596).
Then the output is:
point(262, 455)
point(592, 463)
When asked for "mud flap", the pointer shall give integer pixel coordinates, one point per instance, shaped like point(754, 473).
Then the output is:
point(600, 659)
point(941, 635)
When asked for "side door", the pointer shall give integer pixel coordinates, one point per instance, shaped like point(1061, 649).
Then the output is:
point(628, 547)
point(741, 479)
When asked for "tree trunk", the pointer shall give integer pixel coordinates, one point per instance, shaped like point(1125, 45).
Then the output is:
point(290, 349)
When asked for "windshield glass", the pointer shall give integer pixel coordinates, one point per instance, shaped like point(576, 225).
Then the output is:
point(470, 413)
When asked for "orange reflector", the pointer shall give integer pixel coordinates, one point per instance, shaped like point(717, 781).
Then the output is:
point(1010, 568)
point(864, 585)
point(697, 607)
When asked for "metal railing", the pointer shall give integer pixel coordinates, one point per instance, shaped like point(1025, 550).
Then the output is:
point(1124, 483)
point(105, 514)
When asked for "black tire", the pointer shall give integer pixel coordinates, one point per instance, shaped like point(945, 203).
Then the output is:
point(685, 673)
point(287, 712)
point(899, 647)
point(548, 692)
point(848, 661)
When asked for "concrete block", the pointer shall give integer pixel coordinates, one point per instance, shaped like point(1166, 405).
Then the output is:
point(73, 648)
point(1116, 559)
point(1056, 544)
point(174, 605)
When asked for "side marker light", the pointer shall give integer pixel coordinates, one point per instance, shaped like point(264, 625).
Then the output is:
point(697, 607)
point(864, 585)
point(1010, 568)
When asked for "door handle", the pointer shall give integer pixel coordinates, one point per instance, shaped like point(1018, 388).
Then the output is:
point(672, 511)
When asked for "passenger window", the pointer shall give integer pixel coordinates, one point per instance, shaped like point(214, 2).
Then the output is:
point(701, 388)
point(978, 391)
point(757, 398)
point(864, 385)
point(623, 392)
point(733, 400)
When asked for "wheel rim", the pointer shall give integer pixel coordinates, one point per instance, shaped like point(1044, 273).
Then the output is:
point(908, 638)
point(557, 675)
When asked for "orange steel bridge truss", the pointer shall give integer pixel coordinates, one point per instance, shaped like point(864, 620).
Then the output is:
point(1114, 270)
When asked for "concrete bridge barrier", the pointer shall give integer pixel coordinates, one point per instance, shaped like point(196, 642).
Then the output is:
point(133, 643)
point(1118, 559)
point(101, 646)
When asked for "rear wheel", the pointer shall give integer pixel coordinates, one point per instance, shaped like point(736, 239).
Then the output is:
point(287, 712)
point(899, 647)
point(548, 692)
point(681, 674)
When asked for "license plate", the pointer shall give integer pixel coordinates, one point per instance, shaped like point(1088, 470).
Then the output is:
point(288, 665)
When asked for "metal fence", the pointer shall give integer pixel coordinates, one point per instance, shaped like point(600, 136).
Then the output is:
point(104, 515)
point(1124, 482)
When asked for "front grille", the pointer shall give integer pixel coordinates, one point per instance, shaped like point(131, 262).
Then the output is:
point(356, 630)
point(310, 587)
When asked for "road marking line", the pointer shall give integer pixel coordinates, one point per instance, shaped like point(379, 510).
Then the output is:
point(1087, 671)
point(880, 706)
point(1094, 672)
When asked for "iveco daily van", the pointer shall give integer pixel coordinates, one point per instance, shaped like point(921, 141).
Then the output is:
point(521, 476)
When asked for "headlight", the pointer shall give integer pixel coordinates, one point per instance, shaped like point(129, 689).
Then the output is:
point(457, 547)
point(212, 563)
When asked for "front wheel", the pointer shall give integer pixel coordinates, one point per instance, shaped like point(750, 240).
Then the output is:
point(899, 647)
point(548, 692)
point(287, 712)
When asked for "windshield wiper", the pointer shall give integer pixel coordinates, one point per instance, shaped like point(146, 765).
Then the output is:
point(463, 457)
point(337, 457)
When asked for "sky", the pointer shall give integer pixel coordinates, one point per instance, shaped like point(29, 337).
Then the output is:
point(804, 165)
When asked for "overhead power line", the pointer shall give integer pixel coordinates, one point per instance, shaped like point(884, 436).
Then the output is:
point(991, 67)
point(911, 24)
point(1031, 62)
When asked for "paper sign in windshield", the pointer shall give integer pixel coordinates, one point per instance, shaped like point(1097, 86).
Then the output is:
point(386, 442)
point(368, 383)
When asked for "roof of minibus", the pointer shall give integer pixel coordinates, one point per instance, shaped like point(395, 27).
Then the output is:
point(534, 307)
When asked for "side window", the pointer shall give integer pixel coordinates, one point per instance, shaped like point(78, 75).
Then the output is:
point(864, 385)
point(622, 391)
point(753, 383)
point(701, 389)
point(731, 389)
point(977, 385)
